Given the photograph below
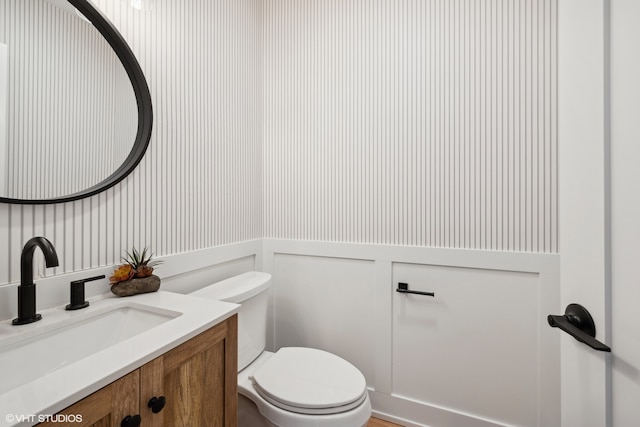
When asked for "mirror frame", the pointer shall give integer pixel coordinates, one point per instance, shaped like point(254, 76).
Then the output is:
point(143, 99)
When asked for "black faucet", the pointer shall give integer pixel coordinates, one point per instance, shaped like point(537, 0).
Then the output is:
point(27, 289)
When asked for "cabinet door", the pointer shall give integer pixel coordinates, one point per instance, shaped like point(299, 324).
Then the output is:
point(198, 380)
point(106, 407)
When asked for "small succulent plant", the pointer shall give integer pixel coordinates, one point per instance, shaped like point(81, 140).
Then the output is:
point(122, 273)
point(136, 263)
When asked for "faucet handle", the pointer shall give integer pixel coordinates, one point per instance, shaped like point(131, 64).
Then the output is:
point(77, 293)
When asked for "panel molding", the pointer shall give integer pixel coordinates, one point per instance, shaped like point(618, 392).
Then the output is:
point(387, 402)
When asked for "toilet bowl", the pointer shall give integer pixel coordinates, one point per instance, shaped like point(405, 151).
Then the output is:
point(295, 386)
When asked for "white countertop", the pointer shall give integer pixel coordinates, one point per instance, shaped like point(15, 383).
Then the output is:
point(56, 390)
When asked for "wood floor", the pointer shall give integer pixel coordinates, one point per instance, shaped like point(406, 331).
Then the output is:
point(376, 422)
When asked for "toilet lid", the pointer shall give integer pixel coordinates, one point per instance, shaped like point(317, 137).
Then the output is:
point(310, 381)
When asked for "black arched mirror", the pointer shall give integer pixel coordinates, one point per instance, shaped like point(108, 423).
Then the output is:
point(76, 128)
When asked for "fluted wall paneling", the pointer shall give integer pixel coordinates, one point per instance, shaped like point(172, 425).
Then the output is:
point(412, 122)
point(198, 185)
point(409, 122)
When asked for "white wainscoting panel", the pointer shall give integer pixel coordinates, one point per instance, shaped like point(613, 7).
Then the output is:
point(479, 354)
point(412, 122)
point(473, 346)
point(326, 303)
point(190, 271)
point(198, 185)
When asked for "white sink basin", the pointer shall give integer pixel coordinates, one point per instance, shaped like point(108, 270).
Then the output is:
point(55, 345)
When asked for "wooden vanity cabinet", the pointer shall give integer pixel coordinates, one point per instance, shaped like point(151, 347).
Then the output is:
point(106, 407)
point(197, 379)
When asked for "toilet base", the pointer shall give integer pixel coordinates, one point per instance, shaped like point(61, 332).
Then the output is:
point(254, 411)
point(249, 415)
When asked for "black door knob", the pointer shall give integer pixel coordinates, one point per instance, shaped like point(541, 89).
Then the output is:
point(157, 403)
point(131, 421)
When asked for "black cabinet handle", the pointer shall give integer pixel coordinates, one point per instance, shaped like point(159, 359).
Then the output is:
point(578, 323)
point(403, 288)
point(131, 421)
point(157, 403)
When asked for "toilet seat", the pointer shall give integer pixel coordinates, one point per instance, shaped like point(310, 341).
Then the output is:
point(309, 381)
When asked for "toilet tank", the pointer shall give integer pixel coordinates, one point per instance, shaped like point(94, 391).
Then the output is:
point(250, 291)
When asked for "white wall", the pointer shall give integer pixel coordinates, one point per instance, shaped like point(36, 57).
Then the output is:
point(375, 161)
point(198, 185)
point(625, 180)
point(412, 122)
point(395, 130)
point(369, 123)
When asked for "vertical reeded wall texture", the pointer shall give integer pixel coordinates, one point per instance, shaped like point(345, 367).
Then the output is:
point(198, 186)
point(412, 122)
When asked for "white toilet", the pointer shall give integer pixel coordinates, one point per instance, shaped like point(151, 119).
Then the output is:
point(295, 386)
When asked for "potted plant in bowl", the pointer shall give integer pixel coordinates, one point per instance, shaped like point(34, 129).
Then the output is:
point(135, 275)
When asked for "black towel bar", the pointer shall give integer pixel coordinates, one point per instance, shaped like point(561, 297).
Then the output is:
point(404, 289)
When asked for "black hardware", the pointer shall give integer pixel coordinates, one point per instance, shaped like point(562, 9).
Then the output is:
point(27, 289)
point(157, 403)
point(404, 288)
point(578, 323)
point(131, 421)
point(77, 293)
